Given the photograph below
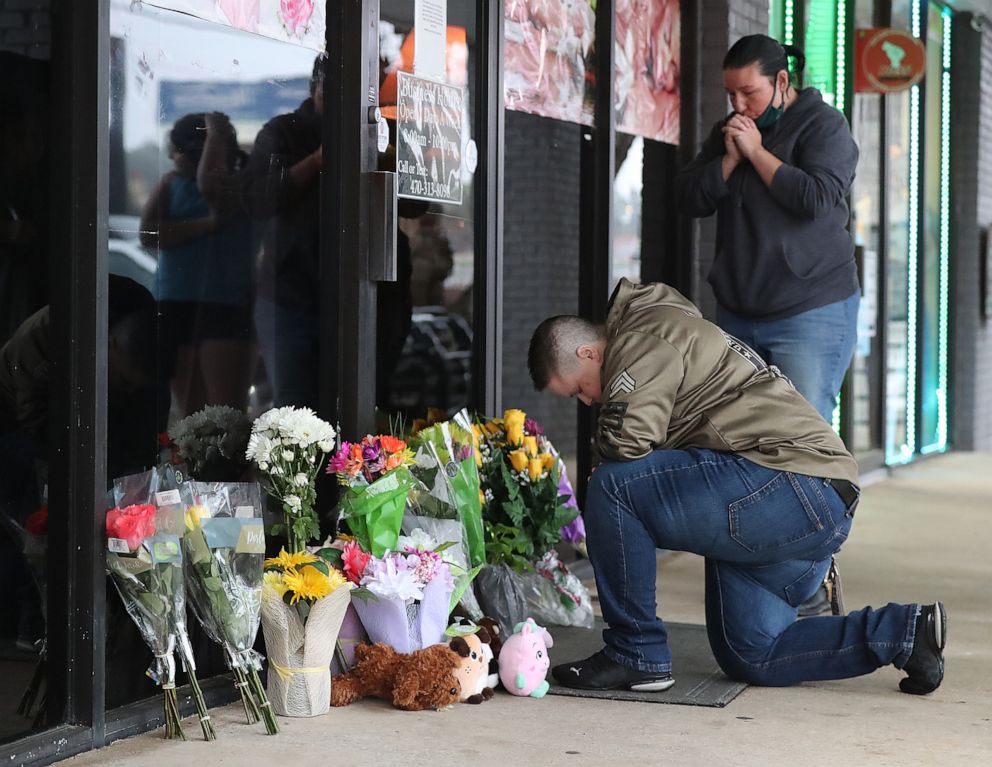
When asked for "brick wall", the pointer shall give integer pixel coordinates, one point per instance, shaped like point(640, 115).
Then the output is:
point(982, 355)
point(541, 255)
point(25, 27)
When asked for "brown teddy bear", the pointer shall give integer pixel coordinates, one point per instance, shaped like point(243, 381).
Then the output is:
point(424, 679)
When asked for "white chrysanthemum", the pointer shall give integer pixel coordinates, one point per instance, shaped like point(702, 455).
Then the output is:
point(301, 480)
point(259, 449)
point(288, 455)
point(294, 502)
point(417, 539)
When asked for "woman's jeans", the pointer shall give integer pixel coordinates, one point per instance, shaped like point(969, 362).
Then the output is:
point(813, 348)
point(767, 537)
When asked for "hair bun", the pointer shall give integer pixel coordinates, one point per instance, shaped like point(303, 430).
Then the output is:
point(796, 53)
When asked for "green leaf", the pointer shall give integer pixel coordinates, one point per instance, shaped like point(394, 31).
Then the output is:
point(364, 594)
point(332, 556)
point(321, 566)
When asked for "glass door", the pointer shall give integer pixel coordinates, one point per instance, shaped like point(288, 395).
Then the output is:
point(408, 306)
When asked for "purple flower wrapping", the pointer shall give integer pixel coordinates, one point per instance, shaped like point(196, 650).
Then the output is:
point(393, 622)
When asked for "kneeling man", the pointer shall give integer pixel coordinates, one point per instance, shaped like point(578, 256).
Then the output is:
point(707, 449)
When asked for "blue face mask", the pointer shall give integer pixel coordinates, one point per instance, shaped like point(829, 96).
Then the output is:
point(772, 113)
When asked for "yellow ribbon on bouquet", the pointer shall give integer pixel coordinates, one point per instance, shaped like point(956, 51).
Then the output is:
point(286, 673)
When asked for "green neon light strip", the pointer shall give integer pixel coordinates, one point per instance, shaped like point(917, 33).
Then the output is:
point(945, 228)
point(841, 68)
point(909, 446)
point(790, 19)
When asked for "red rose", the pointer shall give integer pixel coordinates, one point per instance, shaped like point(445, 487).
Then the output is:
point(132, 524)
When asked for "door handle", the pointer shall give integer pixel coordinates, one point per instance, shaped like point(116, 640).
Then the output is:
point(382, 226)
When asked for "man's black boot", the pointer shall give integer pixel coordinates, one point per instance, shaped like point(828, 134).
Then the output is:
point(598, 672)
point(925, 667)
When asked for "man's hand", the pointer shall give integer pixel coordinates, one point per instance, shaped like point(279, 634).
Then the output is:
point(744, 134)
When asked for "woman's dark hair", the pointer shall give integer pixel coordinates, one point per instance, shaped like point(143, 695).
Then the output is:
point(189, 134)
point(769, 54)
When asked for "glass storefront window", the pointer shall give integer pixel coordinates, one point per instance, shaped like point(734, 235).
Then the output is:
point(627, 187)
point(27, 333)
point(213, 291)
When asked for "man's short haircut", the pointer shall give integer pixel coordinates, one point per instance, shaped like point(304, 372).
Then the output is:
point(553, 345)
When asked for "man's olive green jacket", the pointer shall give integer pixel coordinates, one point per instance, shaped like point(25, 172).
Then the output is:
point(673, 380)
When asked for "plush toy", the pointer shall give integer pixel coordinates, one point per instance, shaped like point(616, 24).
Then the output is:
point(524, 662)
point(424, 679)
point(474, 670)
point(492, 649)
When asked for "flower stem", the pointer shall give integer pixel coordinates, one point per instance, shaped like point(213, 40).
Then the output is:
point(173, 724)
point(263, 702)
point(201, 707)
point(241, 682)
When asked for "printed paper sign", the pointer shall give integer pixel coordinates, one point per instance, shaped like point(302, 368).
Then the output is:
point(167, 498)
point(251, 540)
point(118, 546)
point(430, 35)
point(165, 549)
point(127, 565)
point(244, 512)
point(429, 139)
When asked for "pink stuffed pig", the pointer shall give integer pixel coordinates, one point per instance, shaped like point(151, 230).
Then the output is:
point(524, 662)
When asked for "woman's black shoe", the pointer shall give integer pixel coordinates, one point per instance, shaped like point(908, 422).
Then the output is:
point(598, 672)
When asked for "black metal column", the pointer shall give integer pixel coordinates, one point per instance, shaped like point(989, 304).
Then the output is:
point(351, 90)
point(596, 213)
point(487, 298)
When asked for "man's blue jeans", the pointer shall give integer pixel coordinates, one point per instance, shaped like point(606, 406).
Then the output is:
point(767, 537)
point(813, 348)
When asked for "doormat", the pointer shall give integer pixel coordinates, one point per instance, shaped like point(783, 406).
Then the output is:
point(698, 680)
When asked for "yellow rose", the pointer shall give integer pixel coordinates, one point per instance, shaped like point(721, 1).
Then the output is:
point(195, 515)
point(482, 497)
point(548, 461)
point(478, 457)
point(514, 420)
point(536, 467)
point(530, 445)
point(519, 460)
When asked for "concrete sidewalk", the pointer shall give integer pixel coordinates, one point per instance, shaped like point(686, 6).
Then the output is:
point(920, 535)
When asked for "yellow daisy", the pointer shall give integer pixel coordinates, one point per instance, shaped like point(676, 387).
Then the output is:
point(288, 561)
point(309, 583)
point(273, 581)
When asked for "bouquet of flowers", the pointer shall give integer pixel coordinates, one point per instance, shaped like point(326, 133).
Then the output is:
point(520, 472)
point(224, 546)
point(304, 600)
point(211, 442)
point(288, 445)
point(406, 596)
point(444, 461)
point(523, 509)
point(377, 478)
point(144, 558)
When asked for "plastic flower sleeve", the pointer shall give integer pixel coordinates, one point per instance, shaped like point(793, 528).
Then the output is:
point(225, 549)
point(445, 463)
point(144, 560)
point(555, 597)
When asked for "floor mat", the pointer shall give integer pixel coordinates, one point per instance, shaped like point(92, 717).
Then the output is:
point(698, 680)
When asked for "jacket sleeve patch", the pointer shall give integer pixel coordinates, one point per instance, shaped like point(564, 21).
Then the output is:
point(611, 417)
point(622, 383)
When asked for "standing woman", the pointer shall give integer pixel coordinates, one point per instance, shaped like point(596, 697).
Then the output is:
point(777, 172)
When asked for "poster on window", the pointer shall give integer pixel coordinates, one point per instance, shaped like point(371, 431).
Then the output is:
point(429, 139)
point(647, 56)
point(547, 55)
point(300, 22)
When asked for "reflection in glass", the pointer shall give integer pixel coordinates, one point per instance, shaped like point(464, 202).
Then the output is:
point(214, 182)
point(627, 189)
point(25, 370)
point(425, 318)
point(865, 206)
point(898, 198)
